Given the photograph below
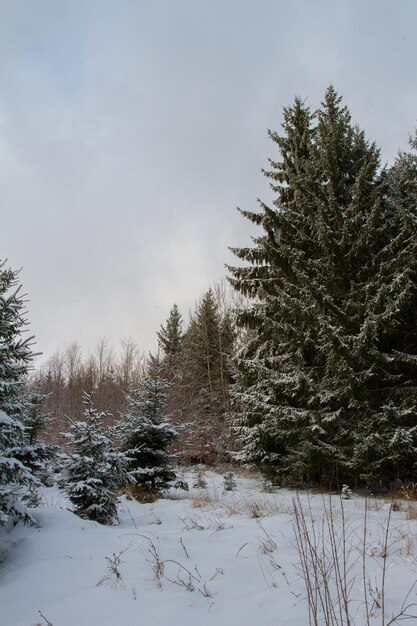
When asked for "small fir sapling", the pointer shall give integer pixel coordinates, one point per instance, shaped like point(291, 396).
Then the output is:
point(145, 435)
point(94, 469)
point(229, 482)
point(346, 492)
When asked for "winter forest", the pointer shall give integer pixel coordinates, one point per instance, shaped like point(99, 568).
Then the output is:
point(300, 368)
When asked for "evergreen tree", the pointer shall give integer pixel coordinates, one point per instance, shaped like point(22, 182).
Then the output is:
point(94, 469)
point(207, 345)
point(170, 339)
point(316, 378)
point(146, 434)
point(16, 480)
point(200, 391)
point(35, 454)
point(387, 440)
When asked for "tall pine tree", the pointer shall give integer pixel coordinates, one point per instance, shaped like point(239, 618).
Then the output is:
point(170, 339)
point(315, 378)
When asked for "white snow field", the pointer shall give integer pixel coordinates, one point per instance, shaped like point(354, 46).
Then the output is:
point(206, 557)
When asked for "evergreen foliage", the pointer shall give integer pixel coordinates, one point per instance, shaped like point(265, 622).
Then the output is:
point(16, 480)
point(229, 481)
point(146, 434)
point(170, 339)
point(196, 364)
point(208, 342)
point(35, 454)
point(325, 384)
point(94, 469)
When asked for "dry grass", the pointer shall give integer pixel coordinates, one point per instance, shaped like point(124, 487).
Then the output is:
point(374, 504)
point(141, 494)
point(113, 575)
point(255, 507)
point(262, 506)
point(205, 499)
point(406, 491)
point(396, 505)
point(231, 503)
point(334, 562)
point(404, 499)
point(406, 541)
point(409, 491)
point(178, 494)
point(411, 511)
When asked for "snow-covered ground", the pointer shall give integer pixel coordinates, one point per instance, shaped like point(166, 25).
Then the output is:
point(206, 557)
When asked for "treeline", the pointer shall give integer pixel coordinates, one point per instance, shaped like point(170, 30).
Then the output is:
point(193, 357)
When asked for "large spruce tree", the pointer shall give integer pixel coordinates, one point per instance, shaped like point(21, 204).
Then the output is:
point(324, 383)
point(37, 455)
point(16, 479)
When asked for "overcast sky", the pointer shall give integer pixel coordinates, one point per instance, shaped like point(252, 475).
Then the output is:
point(130, 131)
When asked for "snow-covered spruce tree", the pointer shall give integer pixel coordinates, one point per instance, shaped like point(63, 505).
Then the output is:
point(145, 433)
point(93, 470)
point(386, 443)
point(16, 480)
point(316, 378)
point(30, 450)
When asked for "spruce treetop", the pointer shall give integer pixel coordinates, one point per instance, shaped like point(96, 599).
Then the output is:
point(170, 335)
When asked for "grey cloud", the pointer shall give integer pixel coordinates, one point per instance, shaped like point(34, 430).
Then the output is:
point(130, 131)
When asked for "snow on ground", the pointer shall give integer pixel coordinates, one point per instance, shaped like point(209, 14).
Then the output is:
point(206, 557)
